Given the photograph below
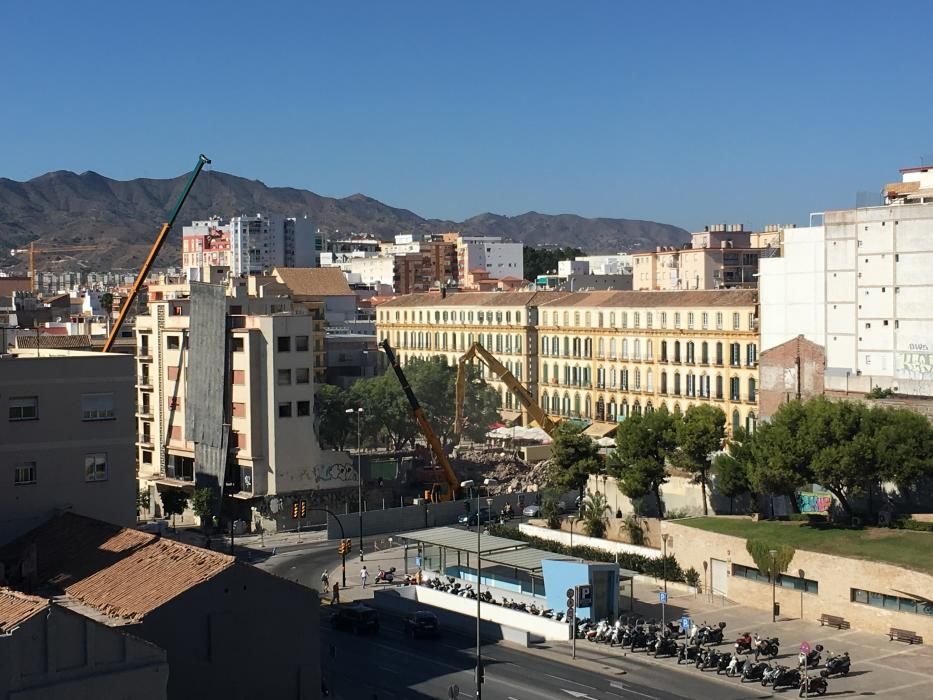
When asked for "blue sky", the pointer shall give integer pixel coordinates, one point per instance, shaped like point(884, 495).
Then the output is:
point(681, 112)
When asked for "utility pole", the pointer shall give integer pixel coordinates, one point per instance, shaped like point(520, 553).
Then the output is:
point(359, 471)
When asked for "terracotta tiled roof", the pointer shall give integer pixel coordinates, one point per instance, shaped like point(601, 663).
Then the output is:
point(54, 342)
point(16, 608)
point(120, 572)
point(475, 299)
point(314, 281)
point(697, 298)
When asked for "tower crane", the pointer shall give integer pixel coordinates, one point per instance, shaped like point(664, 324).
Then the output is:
point(43, 249)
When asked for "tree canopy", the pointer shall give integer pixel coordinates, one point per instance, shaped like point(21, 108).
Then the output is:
point(574, 457)
point(638, 462)
point(700, 433)
point(542, 261)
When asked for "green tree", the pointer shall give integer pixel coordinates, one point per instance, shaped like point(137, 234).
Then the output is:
point(174, 502)
point(699, 434)
point(543, 261)
point(731, 478)
point(780, 460)
point(573, 458)
point(203, 504)
point(480, 406)
point(386, 412)
point(550, 510)
point(143, 500)
point(334, 425)
point(638, 462)
point(106, 302)
point(594, 511)
point(760, 552)
point(903, 446)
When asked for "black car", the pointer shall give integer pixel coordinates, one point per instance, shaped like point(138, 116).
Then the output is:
point(422, 624)
point(358, 617)
point(469, 519)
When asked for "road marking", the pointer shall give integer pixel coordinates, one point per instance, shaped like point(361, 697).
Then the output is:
point(579, 696)
point(567, 680)
point(626, 689)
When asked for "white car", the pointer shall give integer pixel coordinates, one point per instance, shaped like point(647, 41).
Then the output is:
point(531, 511)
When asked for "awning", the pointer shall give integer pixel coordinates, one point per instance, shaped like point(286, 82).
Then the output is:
point(528, 559)
point(598, 430)
point(463, 540)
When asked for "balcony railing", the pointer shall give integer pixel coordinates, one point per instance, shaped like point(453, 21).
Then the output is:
point(144, 440)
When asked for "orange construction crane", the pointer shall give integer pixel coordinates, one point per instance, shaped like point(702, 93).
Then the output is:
point(43, 249)
point(154, 252)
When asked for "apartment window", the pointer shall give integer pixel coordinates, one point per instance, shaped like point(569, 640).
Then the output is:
point(704, 353)
point(718, 353)
point(785, 581)
point(283, 343)
point(734, 388)
point(303, 408)
point(690, 319)
point(284, 377)
point(664, 319)
point(736, 321)
point(719, 386)
point(147, 457)
point(649, 319)
point(302, 375)
point(95, 467)
point(236, 310)
point(891, 602)
point(751, 354)
point(735, 357)
point(676, 351)
point(24, 408)
point(690, 353)
point(719, 320)
point(705, 319)
point(625, 319)
point(752, 389)
point(663, 351)
point(97, 407)
point(751, 322)
point(676, 319)
point(237, 345)
point(24, 474)
point(285, 409)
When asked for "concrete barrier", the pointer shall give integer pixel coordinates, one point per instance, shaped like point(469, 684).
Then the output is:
point(584, 541)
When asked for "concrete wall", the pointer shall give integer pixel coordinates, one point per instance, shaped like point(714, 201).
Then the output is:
point(59, 439)
point(61, 655)
point(836, 577)
point(419, 517)
point(679, 494)
point(584, 541)
point(242, 634)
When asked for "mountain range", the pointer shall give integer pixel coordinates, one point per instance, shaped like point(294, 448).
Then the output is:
point(123, 217)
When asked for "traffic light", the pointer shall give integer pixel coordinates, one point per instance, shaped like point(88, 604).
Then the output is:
point(304, 507)
point(295, 510)
point(342, 547)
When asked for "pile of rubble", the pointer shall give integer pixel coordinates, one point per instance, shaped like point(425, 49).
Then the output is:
point(511, 473)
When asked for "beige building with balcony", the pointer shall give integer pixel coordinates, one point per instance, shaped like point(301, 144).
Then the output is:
point(266, 403)
point(425, 325)
point(66, 437)
point(597, 356)
point(603, 356)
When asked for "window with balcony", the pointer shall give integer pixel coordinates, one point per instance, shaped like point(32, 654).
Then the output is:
point(690, 354)
point(676, 351)
point(719, 386)
point(734, 388)
point(735, 354)
point(663, 351)
point(704, 353)
point(751, 354)
point(752, 389)
point(719, 354)
point(676, 383)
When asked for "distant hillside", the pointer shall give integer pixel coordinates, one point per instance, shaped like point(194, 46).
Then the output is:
point(122, 217)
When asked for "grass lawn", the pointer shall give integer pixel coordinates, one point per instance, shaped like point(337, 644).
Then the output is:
point(905, 548)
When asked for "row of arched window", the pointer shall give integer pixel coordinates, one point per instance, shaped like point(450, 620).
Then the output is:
point(638, 349)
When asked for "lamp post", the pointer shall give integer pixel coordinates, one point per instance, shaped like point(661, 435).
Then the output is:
point(359, 472)
point(573, 521)
point(664, 537)
point(479, 598)
point(773, 553)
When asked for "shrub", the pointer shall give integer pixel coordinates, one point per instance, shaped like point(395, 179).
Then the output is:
point(911, 524)
point(636, 533)
point(692, 577)
point(551, 512)
point(676, 514)
point(760, 552)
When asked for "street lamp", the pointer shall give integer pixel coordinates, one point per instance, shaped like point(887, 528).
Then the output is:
point(573, 521)
point(664, 537)
point(359, 471)
point(479, 598)
point(773, 553)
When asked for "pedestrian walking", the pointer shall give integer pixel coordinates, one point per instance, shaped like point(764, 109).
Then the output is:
point(364, 574)
point(335, 594)
point(325, 581)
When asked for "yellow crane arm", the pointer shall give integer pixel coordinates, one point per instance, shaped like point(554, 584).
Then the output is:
point(535, 412)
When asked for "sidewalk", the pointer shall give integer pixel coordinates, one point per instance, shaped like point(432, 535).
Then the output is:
point(264, 542)
point(890, 669)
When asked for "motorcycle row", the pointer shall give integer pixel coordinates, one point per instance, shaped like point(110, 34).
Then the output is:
point(696, 649)
point(454, 587)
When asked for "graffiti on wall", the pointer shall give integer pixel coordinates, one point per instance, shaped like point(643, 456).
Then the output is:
point(326, 476)
point(814, 502)
point(916, 362)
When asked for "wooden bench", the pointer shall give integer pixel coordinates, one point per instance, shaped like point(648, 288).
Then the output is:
point(834, 621)
point(904, 636)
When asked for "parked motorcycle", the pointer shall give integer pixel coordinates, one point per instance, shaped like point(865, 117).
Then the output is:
point(754, 670)
point(385, 576)
point(836, 664)
point(787, 678)
point(667, 646)
point(743, 645)
point(811, 660)
point(687, 653)
point(772, 673)
point(736, 666)
point(766, 646)
point(722, 664)
point(813, 685)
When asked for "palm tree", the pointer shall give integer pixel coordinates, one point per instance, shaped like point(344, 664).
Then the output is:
point(594, 512)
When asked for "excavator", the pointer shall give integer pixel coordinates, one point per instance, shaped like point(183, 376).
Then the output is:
point(535, 412)
point(435, 493)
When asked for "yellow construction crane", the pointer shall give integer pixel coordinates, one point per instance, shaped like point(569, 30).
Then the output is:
point(535, 412)
point(43, 249)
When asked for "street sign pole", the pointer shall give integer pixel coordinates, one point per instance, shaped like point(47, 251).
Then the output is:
point(572, 619)
point(662, 596)
point(805, 650)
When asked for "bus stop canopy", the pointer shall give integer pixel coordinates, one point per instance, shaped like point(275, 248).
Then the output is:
point(462, 540)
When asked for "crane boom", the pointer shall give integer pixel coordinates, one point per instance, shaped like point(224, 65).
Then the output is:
point(426, 430)
point(154, 252)
point(535, 412)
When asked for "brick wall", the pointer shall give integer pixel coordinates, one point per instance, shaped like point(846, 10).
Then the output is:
point(796, 365)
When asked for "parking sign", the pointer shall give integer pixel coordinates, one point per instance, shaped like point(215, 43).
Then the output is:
point(662, 596)
point(584, 597)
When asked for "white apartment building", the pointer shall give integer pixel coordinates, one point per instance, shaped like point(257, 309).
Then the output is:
point(267, 403)
point(249, 244)
point(491, 254)
point(618, 264)
point(66, 438)
point(860, 285)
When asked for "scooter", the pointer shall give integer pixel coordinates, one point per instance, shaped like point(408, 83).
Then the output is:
point(767, 646)
point(811, 660)
point(813, 684)
point(385, 576)
point(724, 660)
point(736, 666)
point(786, 678)
point(754, 670)
point(836, 664)
point(743, 645)
point(772, 674)
point(666, 646)
point(687, 653)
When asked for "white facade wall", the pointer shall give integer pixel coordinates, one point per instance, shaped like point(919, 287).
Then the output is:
point(793, 289)
point(565, 268)
point(375, 270)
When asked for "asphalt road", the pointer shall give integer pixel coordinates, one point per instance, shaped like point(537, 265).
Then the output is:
point(390, 665)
